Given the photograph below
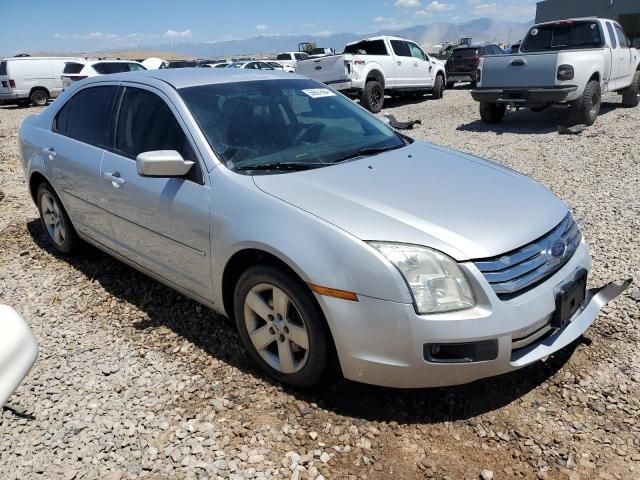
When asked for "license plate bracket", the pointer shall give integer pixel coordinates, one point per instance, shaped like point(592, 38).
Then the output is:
point(569, 298)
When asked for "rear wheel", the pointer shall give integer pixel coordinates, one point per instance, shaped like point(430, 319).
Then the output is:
point(438, 88)
point(39, 97)
point(586, 109)
point(372, 96)
point(55, 220)
point(492, 112)
point(631, 95)
point(281, 327)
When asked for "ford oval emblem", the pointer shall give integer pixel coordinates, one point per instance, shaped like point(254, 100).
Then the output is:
point(318, 67)
point(558, 249)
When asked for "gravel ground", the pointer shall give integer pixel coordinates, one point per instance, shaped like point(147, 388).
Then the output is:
point(134, 380)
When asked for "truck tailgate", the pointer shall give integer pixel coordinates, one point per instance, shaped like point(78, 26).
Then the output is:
point(513, 71)
point(331, 69)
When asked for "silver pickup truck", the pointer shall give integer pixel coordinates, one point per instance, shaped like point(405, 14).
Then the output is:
point(568, 63)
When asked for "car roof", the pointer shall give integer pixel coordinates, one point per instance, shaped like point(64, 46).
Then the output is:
point(192, 77)
point(473, 45)
point(22, 59)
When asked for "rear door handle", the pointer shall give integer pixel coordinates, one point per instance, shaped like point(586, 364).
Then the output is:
point(114, 177)
point(518, 62)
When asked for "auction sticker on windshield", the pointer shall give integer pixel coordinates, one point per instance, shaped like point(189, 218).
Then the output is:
point(319, 92)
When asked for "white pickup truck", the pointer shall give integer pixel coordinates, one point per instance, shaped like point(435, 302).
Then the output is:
point(568, 63)
point(372, 67)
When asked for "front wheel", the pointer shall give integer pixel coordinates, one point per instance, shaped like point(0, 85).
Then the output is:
point(492, 112)
point(372, 96)
point(55, 220)
point(281, 327)
point(438, 88)
point(631, 95)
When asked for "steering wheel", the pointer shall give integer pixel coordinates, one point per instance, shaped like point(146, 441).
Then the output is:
point(306, 131)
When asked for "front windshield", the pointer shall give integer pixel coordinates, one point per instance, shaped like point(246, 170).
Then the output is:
point(258, 124)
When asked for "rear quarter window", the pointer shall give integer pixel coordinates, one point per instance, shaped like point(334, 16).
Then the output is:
point(72, 68)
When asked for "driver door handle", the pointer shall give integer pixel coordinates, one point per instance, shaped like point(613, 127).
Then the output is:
point(114, 177)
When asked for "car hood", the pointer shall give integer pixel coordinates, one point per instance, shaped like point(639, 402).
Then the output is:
point(428, 195)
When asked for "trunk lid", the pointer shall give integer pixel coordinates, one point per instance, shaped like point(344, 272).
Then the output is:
point(513, 71)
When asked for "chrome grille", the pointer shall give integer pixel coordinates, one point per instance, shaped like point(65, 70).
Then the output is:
point(515, 272)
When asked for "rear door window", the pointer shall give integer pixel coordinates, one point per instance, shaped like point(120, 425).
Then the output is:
point(105, 68)
point(284, 56)
point(87, 116)
point(400, 48)
point(301, 56)
point(3, 68)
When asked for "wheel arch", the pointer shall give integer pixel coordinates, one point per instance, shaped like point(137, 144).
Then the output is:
point(35, 179)
point(376, 75)
point(39, 87)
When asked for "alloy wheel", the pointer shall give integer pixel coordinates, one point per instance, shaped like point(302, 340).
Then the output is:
point(52, 217)
point(276, 328)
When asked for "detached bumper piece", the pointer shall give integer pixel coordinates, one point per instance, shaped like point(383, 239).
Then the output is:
point(583, 319)
point(523, 96)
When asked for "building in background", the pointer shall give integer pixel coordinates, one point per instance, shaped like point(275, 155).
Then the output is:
point(626, 12)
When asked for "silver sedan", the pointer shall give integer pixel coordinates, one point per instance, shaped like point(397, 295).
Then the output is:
point(322, 231)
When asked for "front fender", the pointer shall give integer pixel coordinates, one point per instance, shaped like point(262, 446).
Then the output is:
point(243, 217)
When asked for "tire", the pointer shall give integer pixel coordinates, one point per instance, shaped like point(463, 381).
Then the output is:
point(281, 333)
point(587, 108)
point(492, 112)
point(372, 96)
point(39, 97)
point(631, 95)
point(438, 88)
point(55, 220)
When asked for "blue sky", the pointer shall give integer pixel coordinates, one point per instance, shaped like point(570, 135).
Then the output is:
point(86, 25)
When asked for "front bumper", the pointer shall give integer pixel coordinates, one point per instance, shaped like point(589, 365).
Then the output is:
point(524, 96)
point(383, 343)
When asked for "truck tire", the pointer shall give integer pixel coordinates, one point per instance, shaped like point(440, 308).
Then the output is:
point(492, 112)
point(372, 96)
point(631, 95)
point(587, 108)
point(39, 97)
point(438, 88)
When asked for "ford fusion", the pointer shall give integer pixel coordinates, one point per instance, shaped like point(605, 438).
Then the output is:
point(320, 230)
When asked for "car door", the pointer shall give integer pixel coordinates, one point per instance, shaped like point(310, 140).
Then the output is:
point(422, 71)
point(614, 74)
point(73, 152)
point(404, 68)
point(627, 68)
point(161, 224)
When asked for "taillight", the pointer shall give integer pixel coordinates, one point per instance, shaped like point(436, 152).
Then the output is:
point(565, 72)
point(78, 77)
point(12, 84)
point(478, 75)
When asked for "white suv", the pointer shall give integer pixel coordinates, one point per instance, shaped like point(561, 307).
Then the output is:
point(79, 70)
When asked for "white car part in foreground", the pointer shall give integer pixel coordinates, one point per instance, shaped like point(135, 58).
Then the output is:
point(18, 351)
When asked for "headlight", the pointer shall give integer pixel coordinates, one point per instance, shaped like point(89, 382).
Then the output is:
point(436, 281)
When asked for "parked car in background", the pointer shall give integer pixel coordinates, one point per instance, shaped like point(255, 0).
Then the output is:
point(279, 66)
point(180, 64)
point(221, 65)
point(18, 351)
point(154, 63)
point(319, 229)
point(462, 65)
point(376, 66)
point(515, 48)
point(566, 63)
point(34, 80)
point(290, 59)
point(253, 65)
point(81, 69)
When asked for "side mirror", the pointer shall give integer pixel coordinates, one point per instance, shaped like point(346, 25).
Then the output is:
point(18, 351)
point(636, 43)
point(162, 163)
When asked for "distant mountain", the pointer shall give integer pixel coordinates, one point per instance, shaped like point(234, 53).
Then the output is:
point(481, 30)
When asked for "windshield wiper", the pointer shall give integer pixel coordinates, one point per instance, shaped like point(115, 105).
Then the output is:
point(289, 166)
point(368, 151)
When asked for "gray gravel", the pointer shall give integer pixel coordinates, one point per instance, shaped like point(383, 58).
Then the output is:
point(134, 380)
